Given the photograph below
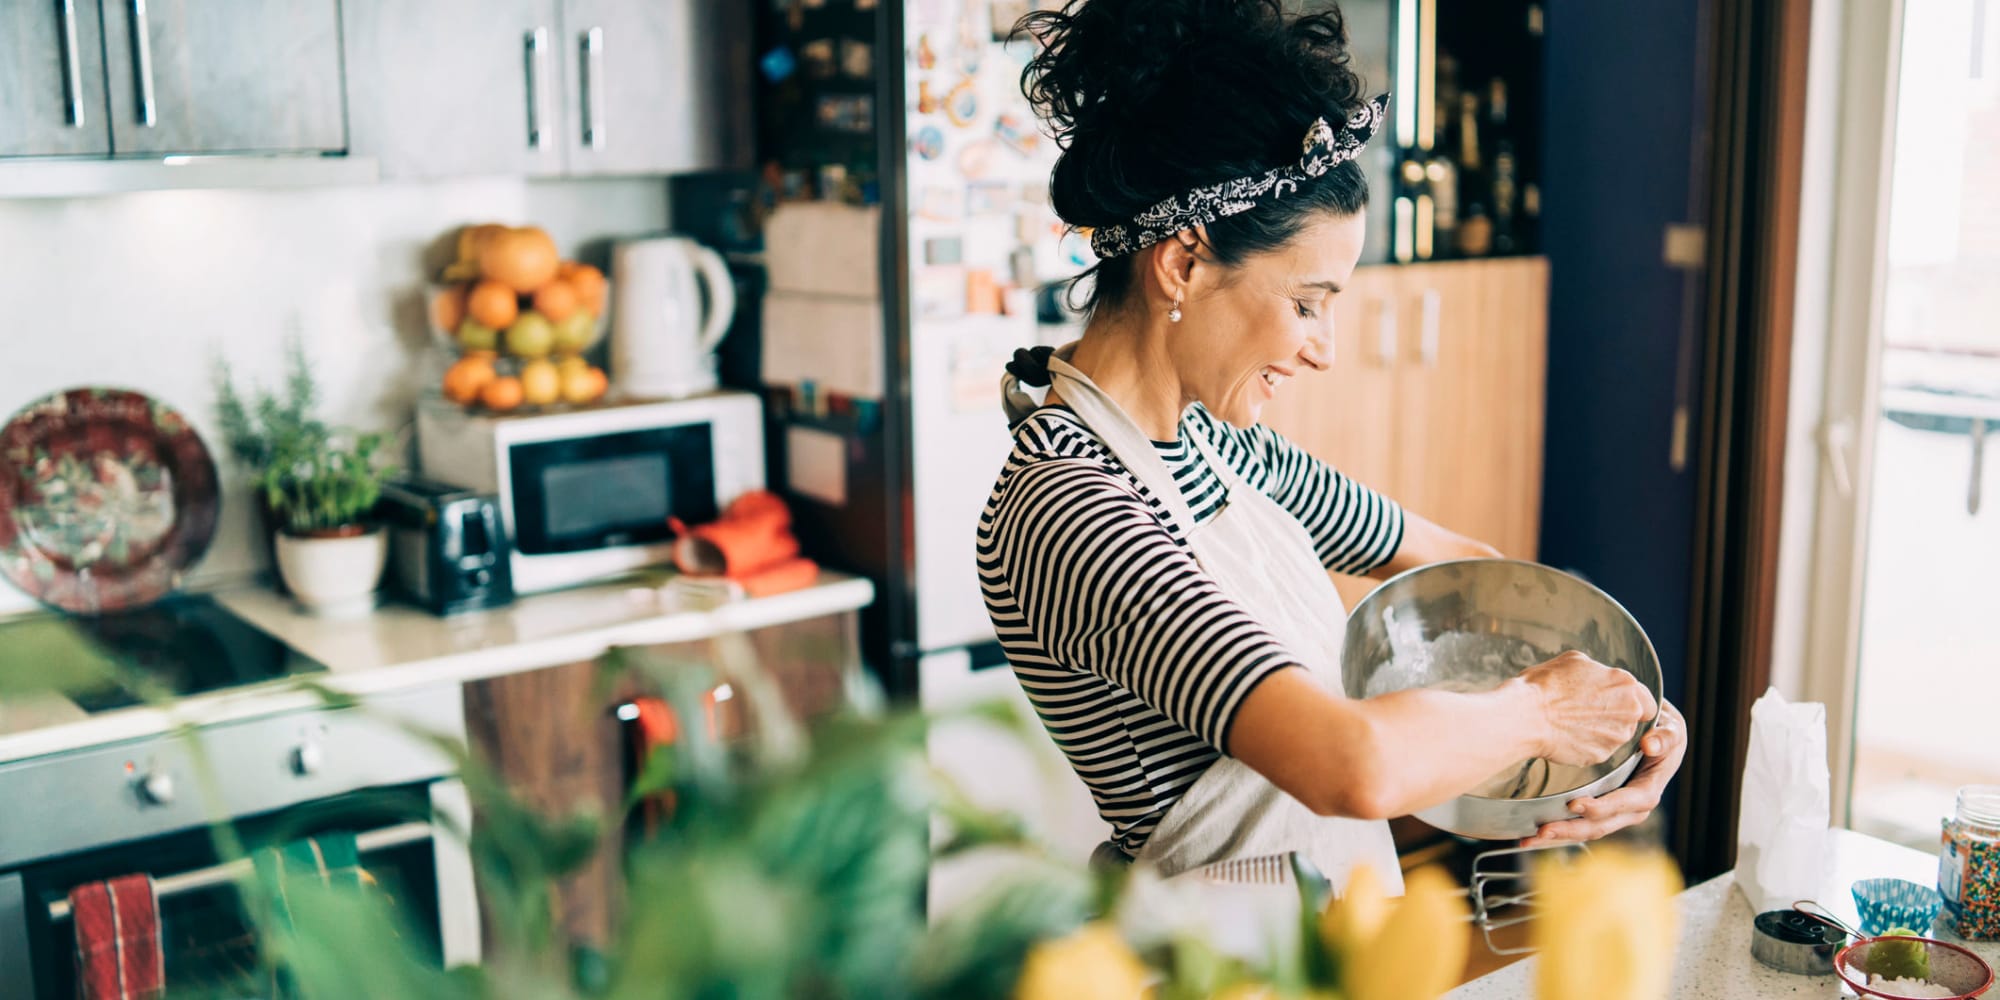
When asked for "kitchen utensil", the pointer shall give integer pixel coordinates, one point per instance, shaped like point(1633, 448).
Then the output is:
point(1498, 886)
point(107, 497)
point(1893, 902)
point(1952, 967)
point(1794, 942)
point(1472, 624)
point(663, 339)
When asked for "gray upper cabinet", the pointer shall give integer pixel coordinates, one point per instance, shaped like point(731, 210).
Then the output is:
point(655, 86)
point(223, 76)
point(52, 79)
point(443, 88)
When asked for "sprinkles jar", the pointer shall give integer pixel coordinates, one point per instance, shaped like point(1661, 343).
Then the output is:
point(1969, 864)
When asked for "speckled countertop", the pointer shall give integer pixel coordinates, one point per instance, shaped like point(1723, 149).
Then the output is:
point(1714, 960)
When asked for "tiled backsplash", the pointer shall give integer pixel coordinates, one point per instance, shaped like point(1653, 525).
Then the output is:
point(146, 291)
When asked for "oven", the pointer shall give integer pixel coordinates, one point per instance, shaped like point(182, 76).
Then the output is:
point(142, 806)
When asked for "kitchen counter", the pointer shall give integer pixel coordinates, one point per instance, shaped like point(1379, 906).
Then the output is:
point(398, 647)
point(1713, 960)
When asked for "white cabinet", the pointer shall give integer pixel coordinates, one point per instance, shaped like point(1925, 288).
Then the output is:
point(549, 87)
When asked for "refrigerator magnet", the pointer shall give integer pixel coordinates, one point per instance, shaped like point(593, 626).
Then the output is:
point(928, 101)
point(962, 104)
point(944, 251)
point(925, 56)
point(939, 292)
point(976, 160)
point(940, 203)
point(984, 295)
point(986, 198)
point(1017, 133)
point(928, 142)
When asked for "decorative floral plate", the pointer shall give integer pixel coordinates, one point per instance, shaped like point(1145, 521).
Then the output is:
point(107, 497)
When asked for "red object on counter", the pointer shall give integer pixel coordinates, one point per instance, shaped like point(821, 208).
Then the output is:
point(751, 543)
point(117, 924)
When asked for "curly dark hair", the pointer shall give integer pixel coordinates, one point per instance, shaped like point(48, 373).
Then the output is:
point(1152, 98)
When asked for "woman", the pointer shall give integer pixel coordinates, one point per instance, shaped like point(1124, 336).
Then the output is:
point(1155, 562)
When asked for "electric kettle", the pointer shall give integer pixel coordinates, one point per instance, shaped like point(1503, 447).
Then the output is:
point(663, 336)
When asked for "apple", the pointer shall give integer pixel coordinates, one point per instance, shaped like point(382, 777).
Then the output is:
point(531, 336)
point(476, 336)
point(576, 331)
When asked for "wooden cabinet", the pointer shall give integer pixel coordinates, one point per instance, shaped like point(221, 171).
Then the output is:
point(555, 737)
point(549, 87)
point(1436, 394)
point(223, 76)
point(449, 88)
point(52, 80)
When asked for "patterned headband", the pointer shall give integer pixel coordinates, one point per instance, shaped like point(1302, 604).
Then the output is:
point(1324, 149)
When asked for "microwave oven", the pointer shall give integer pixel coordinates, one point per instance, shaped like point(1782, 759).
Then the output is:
point(587, 494)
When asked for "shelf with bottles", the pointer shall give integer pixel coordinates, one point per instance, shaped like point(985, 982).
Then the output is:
point(1467, 178)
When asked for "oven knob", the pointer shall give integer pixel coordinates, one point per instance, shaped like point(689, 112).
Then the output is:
point(157, 787)
point(307, 758)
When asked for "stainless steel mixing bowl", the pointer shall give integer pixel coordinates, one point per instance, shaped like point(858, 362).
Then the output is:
point(1472, 624)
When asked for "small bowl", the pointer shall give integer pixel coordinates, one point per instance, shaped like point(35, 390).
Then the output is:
point(1888, 903)
point(1952, 967)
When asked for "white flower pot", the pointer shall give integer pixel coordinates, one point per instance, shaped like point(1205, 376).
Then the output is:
point(334, 576)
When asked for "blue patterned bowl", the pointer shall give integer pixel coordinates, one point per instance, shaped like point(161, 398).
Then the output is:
point(1887, 903)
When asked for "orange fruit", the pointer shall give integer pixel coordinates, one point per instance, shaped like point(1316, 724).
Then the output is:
point(522, 259)
point(589, 284)
point(467, 376)
point(472, 240)
point(540, 383)
point(502, 393)
point(556, 300)
point(448, 308)
point(493, 304)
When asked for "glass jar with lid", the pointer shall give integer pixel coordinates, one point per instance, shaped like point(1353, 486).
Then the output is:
point(1969, 864)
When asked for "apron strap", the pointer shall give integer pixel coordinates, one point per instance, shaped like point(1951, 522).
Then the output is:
point(1115, 428)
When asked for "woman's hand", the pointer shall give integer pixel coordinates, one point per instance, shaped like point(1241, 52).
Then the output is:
point(1589, 710)
point(1664, 748)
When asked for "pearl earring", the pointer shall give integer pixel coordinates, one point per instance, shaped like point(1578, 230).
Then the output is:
point(1174, 314)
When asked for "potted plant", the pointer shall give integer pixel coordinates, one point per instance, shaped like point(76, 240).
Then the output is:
point(315, 488)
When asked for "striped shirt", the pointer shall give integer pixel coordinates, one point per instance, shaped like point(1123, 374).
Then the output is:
point(1132, 655)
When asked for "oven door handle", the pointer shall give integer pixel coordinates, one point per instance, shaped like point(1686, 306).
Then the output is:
point(229, 871)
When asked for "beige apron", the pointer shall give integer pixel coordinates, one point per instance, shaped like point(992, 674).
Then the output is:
point(1261, 556)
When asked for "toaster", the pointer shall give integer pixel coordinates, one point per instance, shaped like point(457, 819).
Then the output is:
point(448, 551)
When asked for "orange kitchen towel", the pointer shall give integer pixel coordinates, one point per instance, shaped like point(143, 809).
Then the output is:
point(117, 925)
point(753, 535)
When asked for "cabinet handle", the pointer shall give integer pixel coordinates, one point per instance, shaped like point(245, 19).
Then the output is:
point(593, 98)
point(1433, 309)
point(1385, 334)
point(73, 74)
point(142, 58)
point(536, 42)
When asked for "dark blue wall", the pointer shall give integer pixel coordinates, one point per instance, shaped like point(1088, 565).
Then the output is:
point(1621, 117)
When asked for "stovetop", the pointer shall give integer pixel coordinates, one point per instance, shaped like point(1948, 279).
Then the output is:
point(184, 645)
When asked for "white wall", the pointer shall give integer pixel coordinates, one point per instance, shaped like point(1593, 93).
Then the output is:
point(145, 291)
